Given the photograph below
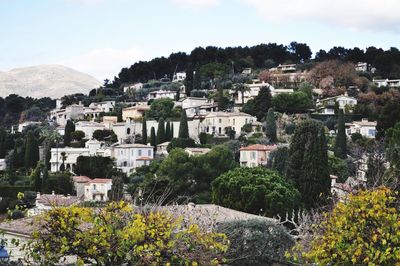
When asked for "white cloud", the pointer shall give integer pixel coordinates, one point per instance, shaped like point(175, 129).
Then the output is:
point(352, 14)
point(196, 3)
point(105, 63)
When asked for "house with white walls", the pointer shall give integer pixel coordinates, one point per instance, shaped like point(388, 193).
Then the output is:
point(179, 76)
point(391, 83)
point(161, 94)
point(130, 156)
point(88, 128)
point(198, 107)
point(135, 112)
point(344, 102)
point(217, 123)
point(97, 189)
point(364, 127)
point(255, 155)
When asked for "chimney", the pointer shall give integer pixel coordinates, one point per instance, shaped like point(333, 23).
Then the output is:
point(37, 195)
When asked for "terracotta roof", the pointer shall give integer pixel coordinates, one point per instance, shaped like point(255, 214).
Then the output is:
point(100, 180)
point(58, 200)
point(135, 145)
point(144, 158)
point(259, 147)
point(198, 150)
point(81, 179)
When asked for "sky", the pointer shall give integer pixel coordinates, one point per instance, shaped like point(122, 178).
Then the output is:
point(99, 37)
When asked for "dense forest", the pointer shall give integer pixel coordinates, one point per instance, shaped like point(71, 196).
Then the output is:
point(386, 62)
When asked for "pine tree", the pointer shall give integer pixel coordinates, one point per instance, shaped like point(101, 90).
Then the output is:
point(144, 131)
point(183, 126)
point(153, 138)
point(308, 163)
point(69, 128)
point(168, 132)
point(31, 151)
point(161, 131)
point(271, 126)
point(341, 141)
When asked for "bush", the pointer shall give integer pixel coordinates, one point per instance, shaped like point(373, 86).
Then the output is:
point(8, 191)
point(16, 214)
point(181, 143)
point(4, 203)
point(256, 242)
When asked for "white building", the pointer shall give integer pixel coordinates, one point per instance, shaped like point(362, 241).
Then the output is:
point(284, 68)
point(105, 106)
point(179, 76)
point(125, 131)
point(218, 122)
point(130, 156)
point(135, 112)
point(255, 155)
point(160, 94)
point(364, 127)
point(79, 185)
point(134, 87)
point(97, 189)
point(327, 105)
point(3, 164)
point(197, 151)
point(391, 83)
point(88, 128)
point(69, 156)
point(162, 148)
point(26, 124)
point(198, 107)
point(73, 112)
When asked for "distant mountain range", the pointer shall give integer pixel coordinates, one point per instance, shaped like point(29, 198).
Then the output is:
point(52, 81)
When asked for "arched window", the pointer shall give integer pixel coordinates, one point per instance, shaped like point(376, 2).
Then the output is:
point(128, 131)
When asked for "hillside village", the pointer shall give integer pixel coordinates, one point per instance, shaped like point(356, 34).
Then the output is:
point(254, 142)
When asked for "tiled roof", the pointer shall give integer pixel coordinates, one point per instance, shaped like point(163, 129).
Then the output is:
point(135, 145)
point(259, 147)
point(81, 179)
point(100, 180)
point(57, 200)
point(144, 158)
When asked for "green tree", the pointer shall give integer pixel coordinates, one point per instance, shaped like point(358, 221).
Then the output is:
point(36, 180)
point(172, 131)
point(77, 135)
point(341, 139)
point(292, 102)
point(94, 166)
point(189, 80)
point(241, 88)
point(31, 151)
point(308, 163)
point(168, 135)
point(144, 131)
point(153, 140)
point(278, 160)
point(183, 126)
point(196, 82)
point(255, 190)
point(3, 138)
point(271, 126)
point(338, 167)
point(69, 128)
point(358, 231)
point(260, 105)
point(161, 131)
point(117, 188)
point(160, 108)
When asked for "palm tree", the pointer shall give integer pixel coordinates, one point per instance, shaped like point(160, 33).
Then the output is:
point(241, 88)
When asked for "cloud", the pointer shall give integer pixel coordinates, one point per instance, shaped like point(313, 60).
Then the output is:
point(105, 63)
point(196, 3)
point(355, 14)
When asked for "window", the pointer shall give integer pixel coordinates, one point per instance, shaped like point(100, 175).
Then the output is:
point(253, 155)
point(219, 130)
point(94, 186)
point(233, 121)
point(128, 131)
point(139, 152)
point(220, 120)
point(149, 153)
point(371, 132)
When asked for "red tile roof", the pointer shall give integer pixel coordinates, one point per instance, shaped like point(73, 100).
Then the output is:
point(100, 180)
point(81, 179)
point(259, 147)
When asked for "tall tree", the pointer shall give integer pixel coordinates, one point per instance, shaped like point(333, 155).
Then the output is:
point(183, 126)
point(189, 80)
point(196, 80)
point(168, 136)
point(308, 163)
point(172, 130)
point(117, 188)
point(144, 131)
point(69, 128)
point(3, 138)
point(341, 140)
point(153, 138)
point(31, 151)
point(161, 131)
point(271, 126)
point(241, 88)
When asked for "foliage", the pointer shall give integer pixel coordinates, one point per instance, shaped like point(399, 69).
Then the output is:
point(168, 133)
point(341, 139)
point(94, 166)
point(308, 163)
point(119, 235)
point(161, 131)
point(183, 126)
point(144, 131)
point(160, 108)
point(69, 128)
point(361, 231)
point(117, 188)
point(338, 167)
point(153, 138)
point(388, 117)
point(292, 102)
point(260, 105)
point(31, 151)
point(278, 160)
point(77, 135)
point(255, 190)
point(271, 126)
point(256, 242)
point(105, 134)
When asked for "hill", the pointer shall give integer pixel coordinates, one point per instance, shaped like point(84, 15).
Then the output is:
point(52, 81)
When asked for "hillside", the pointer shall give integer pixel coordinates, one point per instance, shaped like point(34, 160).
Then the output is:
point(45, 81)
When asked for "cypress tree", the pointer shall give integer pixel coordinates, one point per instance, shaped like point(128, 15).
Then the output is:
point(36, 178)
point(3, 148)
point(341, 141)
point(161, 131)
point(196, 81)
point(144, 131)
point(308, 163)
point(271, 126)
point(31, 151)
point(168, 132)
point(69, 128)
point(189, 80)
point(183, 126)
point(262, 102)
point(172, 130)
point(153, 138)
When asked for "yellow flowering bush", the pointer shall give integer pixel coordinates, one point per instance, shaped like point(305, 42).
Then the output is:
point(364, 230)
point(117, 234)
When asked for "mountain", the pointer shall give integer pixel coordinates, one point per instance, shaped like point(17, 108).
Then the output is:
point(52, 81)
